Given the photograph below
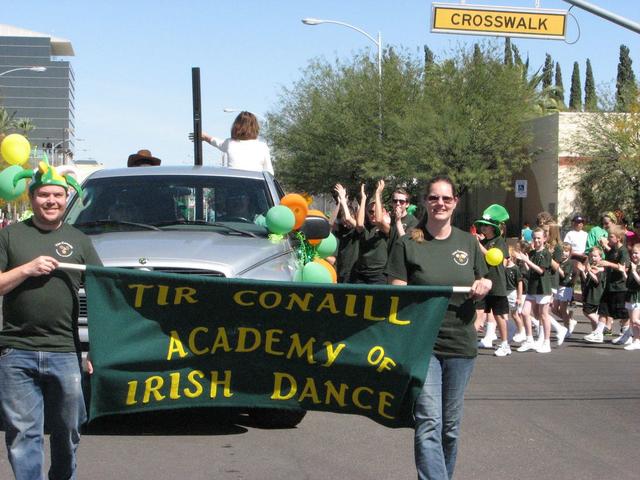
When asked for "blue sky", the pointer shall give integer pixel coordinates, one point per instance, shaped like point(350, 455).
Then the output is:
point(134, 58)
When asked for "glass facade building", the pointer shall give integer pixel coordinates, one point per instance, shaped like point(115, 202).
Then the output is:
point(46, 98)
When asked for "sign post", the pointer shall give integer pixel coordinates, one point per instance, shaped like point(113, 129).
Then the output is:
point(521, 192)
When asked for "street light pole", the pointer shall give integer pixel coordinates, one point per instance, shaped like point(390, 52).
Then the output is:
point(378, 43)
point(33, 69)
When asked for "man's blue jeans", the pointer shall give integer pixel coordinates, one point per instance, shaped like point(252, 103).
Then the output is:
point(438, 413)
point(35, 385)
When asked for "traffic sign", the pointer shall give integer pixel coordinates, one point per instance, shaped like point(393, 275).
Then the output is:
point(521, 189)
point(501, 21)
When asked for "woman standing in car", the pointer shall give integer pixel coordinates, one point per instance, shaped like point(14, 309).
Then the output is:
point(243, 150)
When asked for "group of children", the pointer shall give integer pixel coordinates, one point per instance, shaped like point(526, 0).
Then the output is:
point(535, 284)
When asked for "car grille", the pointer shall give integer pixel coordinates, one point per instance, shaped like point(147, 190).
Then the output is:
point(182, 271)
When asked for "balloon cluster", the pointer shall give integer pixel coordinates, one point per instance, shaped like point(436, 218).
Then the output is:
point(291, 216)
point(15, 150)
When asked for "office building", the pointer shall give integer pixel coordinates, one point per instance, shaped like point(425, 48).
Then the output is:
point(44, 97)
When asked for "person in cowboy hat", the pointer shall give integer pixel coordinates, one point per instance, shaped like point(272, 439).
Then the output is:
point(40, 311)
point(142, 158)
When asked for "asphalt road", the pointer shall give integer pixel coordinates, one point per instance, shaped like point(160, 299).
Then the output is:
point(564, 415)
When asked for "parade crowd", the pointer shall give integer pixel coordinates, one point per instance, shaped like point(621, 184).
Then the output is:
point(536, 287)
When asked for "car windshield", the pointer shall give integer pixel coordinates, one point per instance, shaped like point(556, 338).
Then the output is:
point(171, 202)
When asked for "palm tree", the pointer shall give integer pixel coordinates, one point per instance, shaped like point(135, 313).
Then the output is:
point(24, 126)
point(7, 121)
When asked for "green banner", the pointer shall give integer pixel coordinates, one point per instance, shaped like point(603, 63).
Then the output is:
point(166, 341)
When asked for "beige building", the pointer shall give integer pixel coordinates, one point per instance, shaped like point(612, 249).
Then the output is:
point(549, 179)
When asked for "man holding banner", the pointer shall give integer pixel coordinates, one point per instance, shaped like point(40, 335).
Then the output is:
point(39, 363)
point(436, 253)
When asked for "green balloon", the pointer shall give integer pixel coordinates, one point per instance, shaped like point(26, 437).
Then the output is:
point(327, 246)
point(280, 220)
point(7, 191)
point(297, 276)
point(315, 273)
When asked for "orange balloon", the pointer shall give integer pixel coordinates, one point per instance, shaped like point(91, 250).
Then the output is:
point(314, 241)
point(298, 205)
point(328, 266)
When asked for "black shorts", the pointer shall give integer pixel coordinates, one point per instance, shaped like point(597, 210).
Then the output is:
point(589, 308)
point(612, 305)
point(494, 303)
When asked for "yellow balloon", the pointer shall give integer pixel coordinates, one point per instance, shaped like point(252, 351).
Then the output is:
point(15, 149)
point(494, 256)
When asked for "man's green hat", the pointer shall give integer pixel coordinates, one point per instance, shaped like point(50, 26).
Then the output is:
point(47, 174)
point(493, 216)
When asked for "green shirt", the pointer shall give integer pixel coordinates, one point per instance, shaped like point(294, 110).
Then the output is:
point(633, 288)
point(554, 276)
point(568, 268)
point(496, 274)
point(615, 278)
point(454, 261)
point(347, 254)
point(408, 222)
point(513, 276)
point(372, 255)
point(592, 290)
point(540, 283)
point(41, 313)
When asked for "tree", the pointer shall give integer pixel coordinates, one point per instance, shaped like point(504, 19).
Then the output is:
point(517, 59)
point(428, 57)
point(508, 51)
point(7, 121)
point(24, 126)
point(575, 95)
point(590, 96)
point(610, 177)
point(559, 90)
point(547, 72)
point(465, 118)
point(626, 88)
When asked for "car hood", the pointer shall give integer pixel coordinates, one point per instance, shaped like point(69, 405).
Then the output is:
point(229, 254)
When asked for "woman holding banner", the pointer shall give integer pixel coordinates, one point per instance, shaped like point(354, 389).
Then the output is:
point(437, 253)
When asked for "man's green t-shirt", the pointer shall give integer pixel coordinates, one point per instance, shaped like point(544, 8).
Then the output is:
point(454, 261)
point(41, 313)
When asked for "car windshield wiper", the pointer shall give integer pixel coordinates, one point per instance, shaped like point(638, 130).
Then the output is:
point(105, 221)
point(204, 222)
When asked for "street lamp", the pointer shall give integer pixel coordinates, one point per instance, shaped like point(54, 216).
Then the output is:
point(378, 43)
point(32, 69)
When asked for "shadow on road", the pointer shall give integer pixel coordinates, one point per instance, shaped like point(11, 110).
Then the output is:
point(195, 421)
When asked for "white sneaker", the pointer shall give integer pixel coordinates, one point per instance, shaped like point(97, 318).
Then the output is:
point(520, 337)
point(561, 334)
point(527, 345)
point(485, 343)
point(503, 350)
point(633, 345)
point(572, 325)
point(594, 337)
point(545, 347)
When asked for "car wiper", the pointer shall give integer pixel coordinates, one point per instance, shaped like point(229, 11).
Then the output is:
point(105, 221)
point(204, 222)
